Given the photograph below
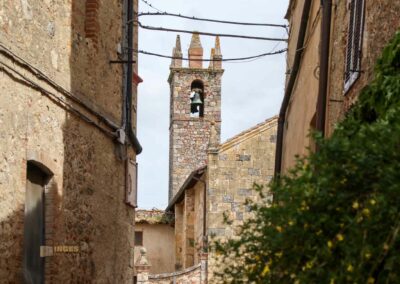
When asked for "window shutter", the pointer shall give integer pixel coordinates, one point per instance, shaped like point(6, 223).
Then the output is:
point(354, 43)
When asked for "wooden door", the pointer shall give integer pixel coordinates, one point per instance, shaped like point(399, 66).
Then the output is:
point(34, 225)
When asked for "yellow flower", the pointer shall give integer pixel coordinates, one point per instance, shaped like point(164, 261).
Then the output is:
point(366, 212)
point(278, 254)
point(292, 276)
point(339, 237)
point(291, 223)
point(309, 264)
point(266, 270)
point(330, 244)
point(350, 268)
point(279, 229)
point(367, 255)
point(370, 280)
point(372, 202)
point(355, 205)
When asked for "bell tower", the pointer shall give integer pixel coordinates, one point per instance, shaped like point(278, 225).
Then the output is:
point(195, 103)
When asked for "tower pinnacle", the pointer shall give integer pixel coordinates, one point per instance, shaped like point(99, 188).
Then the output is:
point(177, 53)
point(195, 52)
point(217, 57)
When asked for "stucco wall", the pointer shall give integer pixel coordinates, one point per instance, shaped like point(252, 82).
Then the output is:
point(85, 198)
point(158, 239)
point(303, 102)
point(381, 23)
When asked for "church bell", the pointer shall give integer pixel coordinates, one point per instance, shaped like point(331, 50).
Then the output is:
point(195, 102)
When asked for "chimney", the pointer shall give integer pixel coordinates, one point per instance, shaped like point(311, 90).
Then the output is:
point(195, 52)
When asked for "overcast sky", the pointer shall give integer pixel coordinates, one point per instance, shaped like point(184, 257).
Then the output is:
point(251, 91)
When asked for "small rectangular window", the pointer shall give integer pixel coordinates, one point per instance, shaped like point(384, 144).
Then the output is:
point(138, 239)
point(354, 43)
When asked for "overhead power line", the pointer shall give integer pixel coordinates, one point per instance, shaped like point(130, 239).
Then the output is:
point(150, 5)
point(211, 20)
point(208, 34)
point(208, 60)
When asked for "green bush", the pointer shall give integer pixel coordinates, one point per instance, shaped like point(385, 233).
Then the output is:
point(335, 217)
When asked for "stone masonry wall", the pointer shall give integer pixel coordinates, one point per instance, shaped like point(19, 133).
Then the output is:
point(188, 229)
point(191, 275)
point(85, 197)
point(240, 162)
point(189, 136)
point(381, 23)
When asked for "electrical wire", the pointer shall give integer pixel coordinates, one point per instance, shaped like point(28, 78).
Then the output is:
point(210, 20)
point(6, 68)
point(208, 60)
point(41, 76)
point(150, 5)
point(207, 33)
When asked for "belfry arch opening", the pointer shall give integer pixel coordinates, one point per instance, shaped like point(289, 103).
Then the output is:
point(197, 99)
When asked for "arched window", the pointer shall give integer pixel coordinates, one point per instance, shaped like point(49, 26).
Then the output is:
point(197, 99)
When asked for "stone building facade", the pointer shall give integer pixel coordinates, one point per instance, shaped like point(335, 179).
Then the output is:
point(68, 145)
point(332, 50)
point(221, 187)
point(190, 132)
point(154, 230)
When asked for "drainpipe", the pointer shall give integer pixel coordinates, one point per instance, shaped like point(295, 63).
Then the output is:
point(290, 85)
point(127, 111)
point(324, 66)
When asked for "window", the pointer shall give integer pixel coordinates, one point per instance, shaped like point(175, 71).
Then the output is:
point(138, 239)
point(354, 43)
point(197, 99)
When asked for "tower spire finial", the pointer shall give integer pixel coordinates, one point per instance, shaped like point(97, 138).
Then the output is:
point(217, 57)
point(177, 53)
point(178, 44)
point(212, 58)
point(195, 52)
point(217, 46)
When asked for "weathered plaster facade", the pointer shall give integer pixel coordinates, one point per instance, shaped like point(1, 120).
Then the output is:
point(189, 136)
point(60, 100)
point(302, 108)
point(158, 235)
point(381, 21)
